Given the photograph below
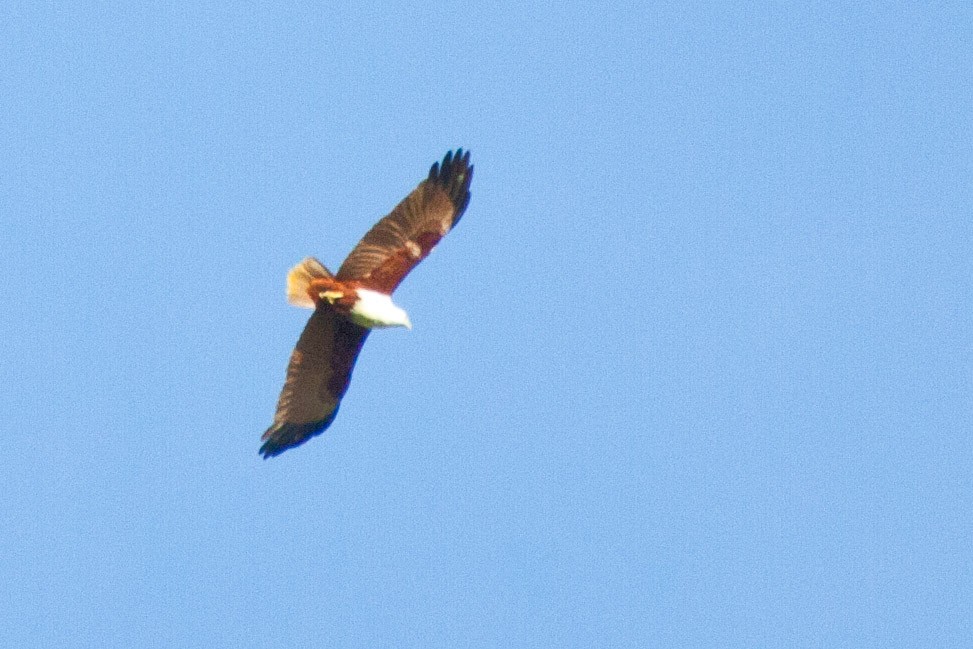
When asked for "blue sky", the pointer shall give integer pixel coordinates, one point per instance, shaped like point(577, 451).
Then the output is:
point(695, 370)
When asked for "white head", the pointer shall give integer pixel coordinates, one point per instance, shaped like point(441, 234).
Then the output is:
point(374, 309)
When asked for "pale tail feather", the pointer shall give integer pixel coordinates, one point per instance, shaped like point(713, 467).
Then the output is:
point(300, 278)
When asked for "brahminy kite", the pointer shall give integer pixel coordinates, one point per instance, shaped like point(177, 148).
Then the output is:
point(347, 306)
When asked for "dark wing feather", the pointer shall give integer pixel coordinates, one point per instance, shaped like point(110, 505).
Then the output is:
point(317, 377)
point(398, 242)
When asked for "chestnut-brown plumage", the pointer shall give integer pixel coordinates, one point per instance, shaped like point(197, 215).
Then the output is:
point(347, 305)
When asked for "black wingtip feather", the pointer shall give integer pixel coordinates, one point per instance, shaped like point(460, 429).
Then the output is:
point(454, 175)
point(285, 436)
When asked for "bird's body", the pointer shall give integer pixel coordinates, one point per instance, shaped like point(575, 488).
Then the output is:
point(361, 305)
point(358, 299)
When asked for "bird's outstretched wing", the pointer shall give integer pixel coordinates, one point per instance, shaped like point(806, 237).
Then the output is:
point(317, 377)
point(398, 242)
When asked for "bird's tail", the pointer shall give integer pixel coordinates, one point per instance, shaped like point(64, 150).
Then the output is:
point(299, 278)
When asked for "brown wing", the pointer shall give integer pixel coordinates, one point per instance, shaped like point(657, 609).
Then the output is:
point(398, 242)
point(317, 378)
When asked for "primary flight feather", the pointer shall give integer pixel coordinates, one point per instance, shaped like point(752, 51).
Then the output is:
point(358, 299)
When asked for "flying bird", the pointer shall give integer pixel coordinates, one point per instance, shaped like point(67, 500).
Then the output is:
point(347, 306)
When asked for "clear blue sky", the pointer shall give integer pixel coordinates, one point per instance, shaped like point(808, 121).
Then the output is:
point(695, 370)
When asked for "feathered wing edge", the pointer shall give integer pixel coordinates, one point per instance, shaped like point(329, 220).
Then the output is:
point(281, 437)
point(406, 236)
point(454, 176)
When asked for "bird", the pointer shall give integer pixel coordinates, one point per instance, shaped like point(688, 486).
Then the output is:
point(349, 304)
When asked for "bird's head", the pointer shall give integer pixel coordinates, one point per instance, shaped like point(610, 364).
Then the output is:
point(373, 309)
point(399, 318)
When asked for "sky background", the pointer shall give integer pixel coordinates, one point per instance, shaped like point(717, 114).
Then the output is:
point(695, 370)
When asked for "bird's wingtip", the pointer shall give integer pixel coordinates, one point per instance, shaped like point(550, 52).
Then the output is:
point(283, 436)
point(454, 174)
